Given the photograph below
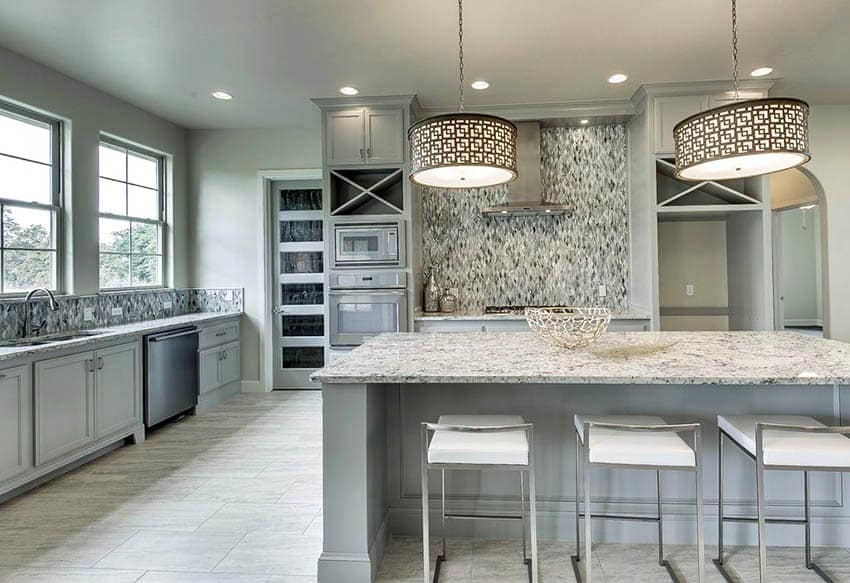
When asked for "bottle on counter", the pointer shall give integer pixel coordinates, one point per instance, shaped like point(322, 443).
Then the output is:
point(448, 303)
point(431, 301)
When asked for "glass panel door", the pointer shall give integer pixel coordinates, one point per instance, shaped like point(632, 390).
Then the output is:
point(299, 324)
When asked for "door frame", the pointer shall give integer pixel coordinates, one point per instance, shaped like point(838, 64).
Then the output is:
point(266, 263)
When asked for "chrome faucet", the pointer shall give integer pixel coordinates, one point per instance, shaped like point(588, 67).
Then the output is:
point(31, 329)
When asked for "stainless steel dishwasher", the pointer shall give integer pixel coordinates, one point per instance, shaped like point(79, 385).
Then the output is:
point(171, 374)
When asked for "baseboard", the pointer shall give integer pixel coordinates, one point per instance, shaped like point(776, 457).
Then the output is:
point(803, 322)
point(253, 387)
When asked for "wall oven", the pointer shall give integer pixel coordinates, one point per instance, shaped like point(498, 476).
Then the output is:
point(364, 304)
point(368, 244)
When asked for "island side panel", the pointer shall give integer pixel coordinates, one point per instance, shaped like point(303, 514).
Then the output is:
point(551, 407)
point(354, 482)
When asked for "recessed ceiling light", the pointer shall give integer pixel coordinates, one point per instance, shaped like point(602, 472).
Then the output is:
point(584, 122)
point(761, 71)
point(617, 78)
point(481, 84)
point(348, 90)
point(223, 95)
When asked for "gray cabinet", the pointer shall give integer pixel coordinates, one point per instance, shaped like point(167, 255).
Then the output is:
point(117, 394)
point(15, 422)
point(669, 111)
point(219, 366)
point(364, 136)
point(64, 405)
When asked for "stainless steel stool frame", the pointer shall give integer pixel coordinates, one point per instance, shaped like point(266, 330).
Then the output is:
point(584, 445)
point(762, 519)
point(529, 468)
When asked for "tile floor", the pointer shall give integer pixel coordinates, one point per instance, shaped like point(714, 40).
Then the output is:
point(234, 496)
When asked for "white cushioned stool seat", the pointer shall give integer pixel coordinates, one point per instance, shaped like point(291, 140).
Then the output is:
point(612, 446)
point(462, 447)
point(788, 448)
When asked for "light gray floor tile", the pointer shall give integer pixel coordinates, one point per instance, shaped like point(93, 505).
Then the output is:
point(273, 554)
point(58, 575)
point(284, 518)
point(171, 551)
point(183, 577)
point(59, 547)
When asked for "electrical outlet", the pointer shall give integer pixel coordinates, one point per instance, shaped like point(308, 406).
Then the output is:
point(117, 311)
point(166, 305)
point(603, 291)
point(689, 289)
point(88, 315)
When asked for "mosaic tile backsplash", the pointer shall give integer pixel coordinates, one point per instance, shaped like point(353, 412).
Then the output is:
point(136, 306)
point(558, 260)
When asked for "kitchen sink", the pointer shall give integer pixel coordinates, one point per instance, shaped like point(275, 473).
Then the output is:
point(50, 339)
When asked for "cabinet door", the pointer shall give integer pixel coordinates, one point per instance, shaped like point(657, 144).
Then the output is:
point(15, 422)
point(228, 366)
point(208, 374)
point(64, 406)
point(668, 112)
point(345, 136)
point(116, 389)
point(384, 136)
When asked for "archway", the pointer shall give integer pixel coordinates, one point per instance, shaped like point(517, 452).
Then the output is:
point(800, 252)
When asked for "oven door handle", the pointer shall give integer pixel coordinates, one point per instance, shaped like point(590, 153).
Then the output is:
point(366, 292)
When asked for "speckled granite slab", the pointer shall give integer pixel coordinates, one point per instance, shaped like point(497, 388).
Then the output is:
point(116, 332)
point(477, 315)
point(725, 358)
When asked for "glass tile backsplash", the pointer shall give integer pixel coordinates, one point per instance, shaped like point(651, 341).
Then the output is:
point(303, 325)
point(300, 231)
point(299, 294)
point(311, 357)
point(301, 262)
point(301, 200)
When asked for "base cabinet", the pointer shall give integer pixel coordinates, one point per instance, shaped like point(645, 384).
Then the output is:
point(219, 366)
point(117, 394)
point(15, 422)
point(64, 405)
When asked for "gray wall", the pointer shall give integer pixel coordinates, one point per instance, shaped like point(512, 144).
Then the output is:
point(87, 112)
point(540, 260)
point(225, 215)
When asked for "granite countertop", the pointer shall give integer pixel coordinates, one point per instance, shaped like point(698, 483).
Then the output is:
point(725, 358)
point(115, 332)
point(419, 315)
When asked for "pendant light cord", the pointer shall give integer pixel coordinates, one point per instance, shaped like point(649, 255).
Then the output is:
point(460, 50)
point(735, 46)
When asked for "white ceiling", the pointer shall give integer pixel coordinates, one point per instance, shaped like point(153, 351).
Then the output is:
point(273, 55)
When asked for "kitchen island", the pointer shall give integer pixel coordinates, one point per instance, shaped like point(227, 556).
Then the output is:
point(376, 397)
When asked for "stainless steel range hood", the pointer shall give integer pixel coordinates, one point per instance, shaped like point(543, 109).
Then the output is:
point(525, 195)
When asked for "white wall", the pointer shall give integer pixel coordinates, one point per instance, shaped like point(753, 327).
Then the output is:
point(225, 215)
point(87, 112)
point(800, 257)
point(829, 135)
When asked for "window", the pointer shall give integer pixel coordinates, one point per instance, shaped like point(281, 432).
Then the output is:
point(30, 198)
point(131, 216)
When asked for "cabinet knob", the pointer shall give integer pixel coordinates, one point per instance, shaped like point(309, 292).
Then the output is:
point(368, 152)
point(361, 153)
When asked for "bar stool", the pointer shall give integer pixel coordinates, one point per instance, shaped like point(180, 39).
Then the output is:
point(476, 442)
point(635, 442)
point(780, 442)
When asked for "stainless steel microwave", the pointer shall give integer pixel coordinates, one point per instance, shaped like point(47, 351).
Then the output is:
point(369, 244)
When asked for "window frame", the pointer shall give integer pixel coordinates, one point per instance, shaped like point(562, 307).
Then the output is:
point(161, 223)
point(57, 195)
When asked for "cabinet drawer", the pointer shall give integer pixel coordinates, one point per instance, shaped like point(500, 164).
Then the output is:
point(218, 335)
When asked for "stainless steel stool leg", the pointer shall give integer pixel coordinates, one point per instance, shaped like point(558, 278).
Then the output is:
point(661, 560)
point(719, 560)
point(576, 558)
point(762, 519)
point(807, 502)
point(426, 550)
point(443, 500)
point(700, 507)
point(587, 515)
point(532, 500)
point(522, 514)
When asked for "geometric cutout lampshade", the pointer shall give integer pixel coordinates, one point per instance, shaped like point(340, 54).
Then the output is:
point(747, 138)
point(462, 150)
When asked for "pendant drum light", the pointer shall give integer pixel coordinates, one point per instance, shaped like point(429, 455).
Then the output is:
point(462, 150)
point(746, 138)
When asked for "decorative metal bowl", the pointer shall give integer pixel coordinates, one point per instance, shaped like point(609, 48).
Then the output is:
point(568, 327)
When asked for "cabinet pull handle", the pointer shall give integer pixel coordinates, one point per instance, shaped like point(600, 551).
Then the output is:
point(361, 153)
point(90, 364)
point(368, 152)
point(100, 363)
point(2, 376)
point(221, 333)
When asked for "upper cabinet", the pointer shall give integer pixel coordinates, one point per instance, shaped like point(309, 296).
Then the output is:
point(671, 110)
point(365, 136)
